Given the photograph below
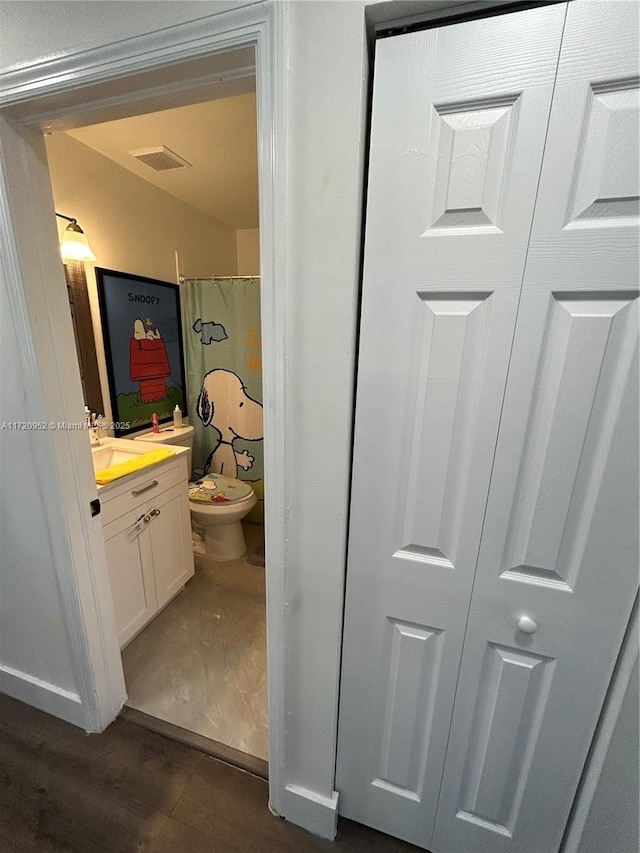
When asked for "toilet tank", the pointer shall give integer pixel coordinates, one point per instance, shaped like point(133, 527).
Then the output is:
point(182, 436)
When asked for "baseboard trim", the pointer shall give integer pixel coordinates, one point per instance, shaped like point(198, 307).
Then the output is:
point(312, 811)
point(53, 700)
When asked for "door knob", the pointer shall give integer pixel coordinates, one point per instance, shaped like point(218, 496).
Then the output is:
point(527, 625)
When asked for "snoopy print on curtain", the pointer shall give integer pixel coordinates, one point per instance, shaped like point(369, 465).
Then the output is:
point(224, 404)
point(224, 379)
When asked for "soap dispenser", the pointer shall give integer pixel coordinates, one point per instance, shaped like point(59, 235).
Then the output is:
point(88, 424)
point(94, 435)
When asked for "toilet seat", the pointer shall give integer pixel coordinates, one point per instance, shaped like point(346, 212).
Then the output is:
point(215, 490)
point(218, 508)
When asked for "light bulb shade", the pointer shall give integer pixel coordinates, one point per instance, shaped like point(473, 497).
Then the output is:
point(74, 245)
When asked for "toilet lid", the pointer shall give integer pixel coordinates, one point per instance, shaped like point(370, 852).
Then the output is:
point(215, 488)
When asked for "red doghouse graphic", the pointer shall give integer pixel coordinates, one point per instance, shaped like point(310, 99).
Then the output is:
point(148, 362)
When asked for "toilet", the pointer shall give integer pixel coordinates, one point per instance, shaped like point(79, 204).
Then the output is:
point(217, 504)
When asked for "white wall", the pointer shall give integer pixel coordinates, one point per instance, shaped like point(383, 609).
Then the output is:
point(41, 29)
point(612, 821)
point(326, 123)
point(605, 814)
point(132, 226)
point(248, 240)
point(53, 554)
point(326, 116)
point(325, 119)
point(33, 639)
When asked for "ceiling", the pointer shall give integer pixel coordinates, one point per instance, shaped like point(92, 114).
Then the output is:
point(218, 138)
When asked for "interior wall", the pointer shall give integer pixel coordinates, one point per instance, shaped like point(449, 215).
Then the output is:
point(326, 121)
point(248, 241)
point(49, 543)
point(605, 813)
point(612, 821)
point(327, 79)
point(33, 639)
point(44, 30)
point(132, 226)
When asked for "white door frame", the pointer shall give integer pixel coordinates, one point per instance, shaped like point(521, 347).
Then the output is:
point(39, 96)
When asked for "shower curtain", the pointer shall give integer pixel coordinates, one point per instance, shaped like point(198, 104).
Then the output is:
point(224, 379)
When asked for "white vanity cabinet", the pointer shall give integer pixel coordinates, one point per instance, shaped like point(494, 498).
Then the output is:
point(147, 532)
point(130, 562)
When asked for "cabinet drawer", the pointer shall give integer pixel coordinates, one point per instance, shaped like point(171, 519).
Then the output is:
point(135, 491)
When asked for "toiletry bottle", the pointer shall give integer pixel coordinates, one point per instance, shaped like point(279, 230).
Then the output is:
point(94, 437)
point(154, 423)
point(177, 417)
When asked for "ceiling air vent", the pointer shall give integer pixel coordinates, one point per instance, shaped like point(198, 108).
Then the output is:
point(159, 158)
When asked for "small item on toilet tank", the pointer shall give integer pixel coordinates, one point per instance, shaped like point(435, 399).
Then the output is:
point(177, 417)
point(154, 423)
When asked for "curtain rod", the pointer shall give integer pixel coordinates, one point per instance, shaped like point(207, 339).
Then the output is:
point(183, 278)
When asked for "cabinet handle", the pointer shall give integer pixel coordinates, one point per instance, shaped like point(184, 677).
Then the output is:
point(136, 492)
point(136, 528)
point(154, 512)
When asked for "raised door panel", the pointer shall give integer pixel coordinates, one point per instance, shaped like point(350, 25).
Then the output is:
point(131, 573)
point(577, 380)
point(586, 227)
point(513, 686)
point(560, 539)
point(606, 184)
point(560, 546)
point(170, 532)
point(474, 141)
point(412, 662)
point(455, 153)
point(451, 344)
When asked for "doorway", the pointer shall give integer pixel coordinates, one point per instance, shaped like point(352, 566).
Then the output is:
point(200, 663)
point(97, 94)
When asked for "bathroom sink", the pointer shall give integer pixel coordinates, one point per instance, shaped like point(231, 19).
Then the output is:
point(105, 457)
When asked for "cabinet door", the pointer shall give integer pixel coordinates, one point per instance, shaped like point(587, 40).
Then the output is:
point(170, 534)
point(560, 540)
point(131, 572)
point(460, 115)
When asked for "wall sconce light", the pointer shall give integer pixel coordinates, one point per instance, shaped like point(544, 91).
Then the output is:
point(74, 245)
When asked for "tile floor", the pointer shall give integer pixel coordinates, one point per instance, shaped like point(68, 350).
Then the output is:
point(201, 663)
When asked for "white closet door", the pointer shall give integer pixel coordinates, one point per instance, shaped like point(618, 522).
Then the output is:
point(559, 544)
point(459, 120)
